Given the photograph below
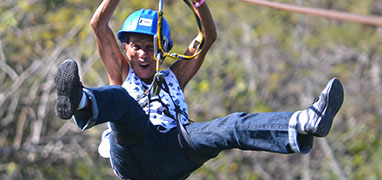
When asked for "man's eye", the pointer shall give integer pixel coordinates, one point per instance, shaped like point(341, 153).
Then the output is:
point(136, 46)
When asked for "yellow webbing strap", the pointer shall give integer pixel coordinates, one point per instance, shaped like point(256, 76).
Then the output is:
point(159, 37)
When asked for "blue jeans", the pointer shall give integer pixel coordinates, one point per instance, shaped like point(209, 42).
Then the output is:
point(159, 155)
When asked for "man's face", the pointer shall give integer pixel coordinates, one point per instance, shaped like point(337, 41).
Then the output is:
point(139, 51)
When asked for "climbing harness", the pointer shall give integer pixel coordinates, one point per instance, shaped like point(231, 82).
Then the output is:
point(160, 53)
point(183, 137)
point(161, 50)
point(159, 83)
point(161, 41)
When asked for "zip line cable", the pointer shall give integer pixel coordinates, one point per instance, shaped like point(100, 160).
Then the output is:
point(331, 14)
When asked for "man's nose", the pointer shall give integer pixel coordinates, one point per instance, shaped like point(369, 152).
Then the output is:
point(142, 53)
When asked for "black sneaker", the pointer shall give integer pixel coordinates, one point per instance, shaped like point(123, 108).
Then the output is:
point(69, 89)
point(324, 108)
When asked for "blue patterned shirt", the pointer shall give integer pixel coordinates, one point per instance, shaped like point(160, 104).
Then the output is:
point(136, 87)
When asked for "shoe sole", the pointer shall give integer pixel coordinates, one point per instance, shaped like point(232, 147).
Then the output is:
point(335, 99)
point(67, 84)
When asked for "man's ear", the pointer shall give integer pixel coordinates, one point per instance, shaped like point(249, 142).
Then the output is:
point(126, 48)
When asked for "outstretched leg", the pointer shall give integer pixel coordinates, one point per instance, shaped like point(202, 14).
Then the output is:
point(128, 122)
point(105, 104)
point(282, 132)
point(69, 89)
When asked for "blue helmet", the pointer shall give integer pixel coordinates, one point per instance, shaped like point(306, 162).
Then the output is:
point(145, 21)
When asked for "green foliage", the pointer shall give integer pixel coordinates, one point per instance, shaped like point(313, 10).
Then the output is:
point(264, 60)
point(7, 20)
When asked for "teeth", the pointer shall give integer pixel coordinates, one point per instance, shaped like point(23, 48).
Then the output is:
point(144, 64)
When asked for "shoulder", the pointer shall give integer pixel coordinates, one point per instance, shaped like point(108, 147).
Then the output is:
point(171, 80)
point(126, 70)
point(169, 75)
point(128, 77)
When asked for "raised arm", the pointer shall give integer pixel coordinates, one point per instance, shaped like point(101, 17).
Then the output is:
point(185, 70)
point(115, 63)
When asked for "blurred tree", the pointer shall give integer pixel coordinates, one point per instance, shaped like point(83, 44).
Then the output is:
point(264, 60)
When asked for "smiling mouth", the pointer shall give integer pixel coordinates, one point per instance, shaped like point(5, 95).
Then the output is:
point(144, 65)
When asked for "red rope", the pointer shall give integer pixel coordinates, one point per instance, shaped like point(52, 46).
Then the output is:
point(362, 19)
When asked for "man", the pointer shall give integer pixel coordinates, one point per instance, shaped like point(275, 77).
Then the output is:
point(143, 136)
